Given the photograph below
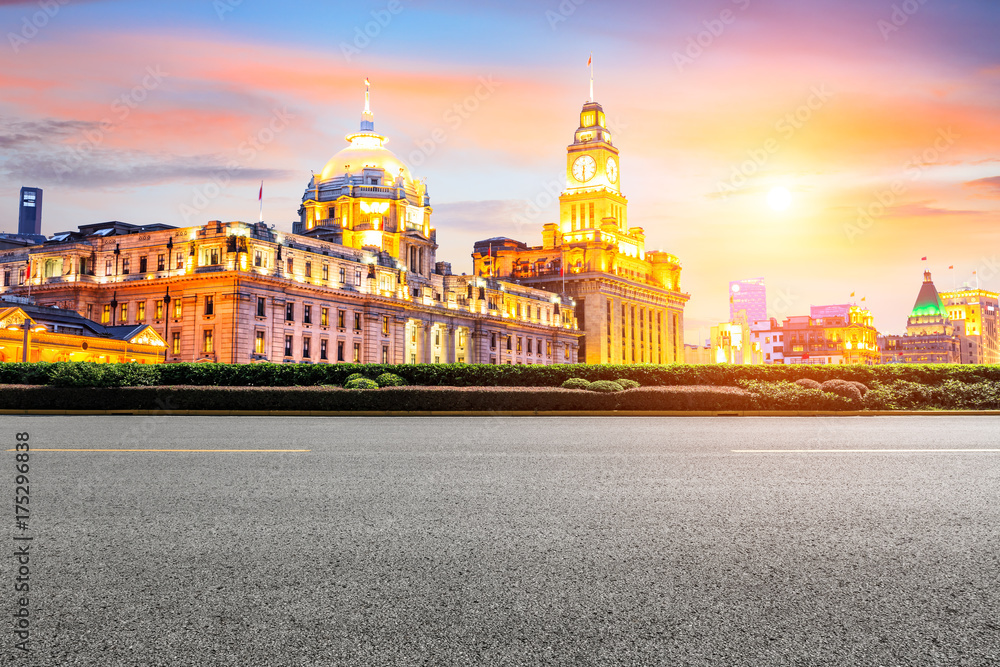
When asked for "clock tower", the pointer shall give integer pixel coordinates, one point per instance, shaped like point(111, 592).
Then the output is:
point(593, 192)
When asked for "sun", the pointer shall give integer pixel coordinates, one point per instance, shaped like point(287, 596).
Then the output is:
point(779, 199)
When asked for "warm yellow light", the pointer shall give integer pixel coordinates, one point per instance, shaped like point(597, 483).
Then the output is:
point(779, 199)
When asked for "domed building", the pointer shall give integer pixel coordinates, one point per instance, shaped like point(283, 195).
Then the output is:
point(366, 198)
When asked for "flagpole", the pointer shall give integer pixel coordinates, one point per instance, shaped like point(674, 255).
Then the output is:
point(591, 63)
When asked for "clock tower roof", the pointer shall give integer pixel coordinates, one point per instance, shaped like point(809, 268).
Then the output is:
point(593, 125)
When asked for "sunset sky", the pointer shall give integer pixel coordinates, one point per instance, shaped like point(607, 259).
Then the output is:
point(174, 112)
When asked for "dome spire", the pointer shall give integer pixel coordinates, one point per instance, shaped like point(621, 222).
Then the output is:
point(367, 118)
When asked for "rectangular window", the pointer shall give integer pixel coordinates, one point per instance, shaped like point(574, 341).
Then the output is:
point(291, 265)
point(357, 278)
point(90, 311)
point(214, 256)
point(261, 306)
point(209, 304)
point(178, 309)
point(124, 315)
point(385, 325)
point(6, 278)
point(357, 353)
point(326, 272)
point(340, 319)
point(385, 354)
point(140, 312)
point(493, 341)
point(324, 317)
point(258, 258)
point(548, 348)
point(161, 262)
point(538, 347)
point(288, 345)
point(322, 349)
point(106, 314)
point(307, 314)
point(176, 343)
point(519, 345)
point(126, 263)
point(529, 346)
point(289, 312)
point(343, 274)
point(357, 321)
point(309, 269)
point(143, 264)
point(508, 343)
point(159, 309)
point(207, 347)
point(107, 267)
point(258, 343)
point(180, 261)
point(306, 341)
point(340, 350)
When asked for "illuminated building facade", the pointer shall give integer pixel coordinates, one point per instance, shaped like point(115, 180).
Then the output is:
point(29, 332)
point(628, 300)
point(976, 313)
point(846, 337)
point(749, 295)
point(931, 336)
point(357, 282)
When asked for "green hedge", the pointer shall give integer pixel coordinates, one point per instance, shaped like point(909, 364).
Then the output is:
point(755, 396)
point(70, 374)
point(417, 399)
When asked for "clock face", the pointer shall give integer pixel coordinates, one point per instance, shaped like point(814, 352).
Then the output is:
point(612, 170)
point(584, 168)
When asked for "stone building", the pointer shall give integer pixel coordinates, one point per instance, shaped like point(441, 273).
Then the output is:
point(628, 300)
point(931, 336)
point(357, 281)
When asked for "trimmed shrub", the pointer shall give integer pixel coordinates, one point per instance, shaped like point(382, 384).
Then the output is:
point(790, 396)
point(628, 384)
point(604, 386)
point(575, 383)
point(360, 383)
point(390, 380)
point(808, 383)
point(842, 388)
point(861, 387)
point(355, 376)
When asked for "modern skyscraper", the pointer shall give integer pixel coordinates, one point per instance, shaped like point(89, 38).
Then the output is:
point(29, 219)
point(749, 295)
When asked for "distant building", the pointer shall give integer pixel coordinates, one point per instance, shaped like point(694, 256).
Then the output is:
point(976, 314)
point(29, 218)
point(767, 335)
point(931, 336)
point(732, 342)
point(846, 338)
point(749, 295)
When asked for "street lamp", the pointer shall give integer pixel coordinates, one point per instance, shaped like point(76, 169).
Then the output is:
point(166, 324)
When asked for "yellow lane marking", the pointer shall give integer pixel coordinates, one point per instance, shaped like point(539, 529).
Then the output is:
point(284, 451)
point(861, 451)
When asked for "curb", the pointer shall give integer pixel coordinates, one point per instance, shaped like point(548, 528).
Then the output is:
point(503, 413)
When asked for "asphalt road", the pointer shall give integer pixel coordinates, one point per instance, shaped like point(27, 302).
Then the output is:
point(499, 541)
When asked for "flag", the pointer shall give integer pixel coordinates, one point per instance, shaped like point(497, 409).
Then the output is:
point(952, 266)
point(260, 196)
point(973, 273)
point(590, 60)
point(367, 82)
point(923, 259)
point(864, 298)
point(852, 293)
